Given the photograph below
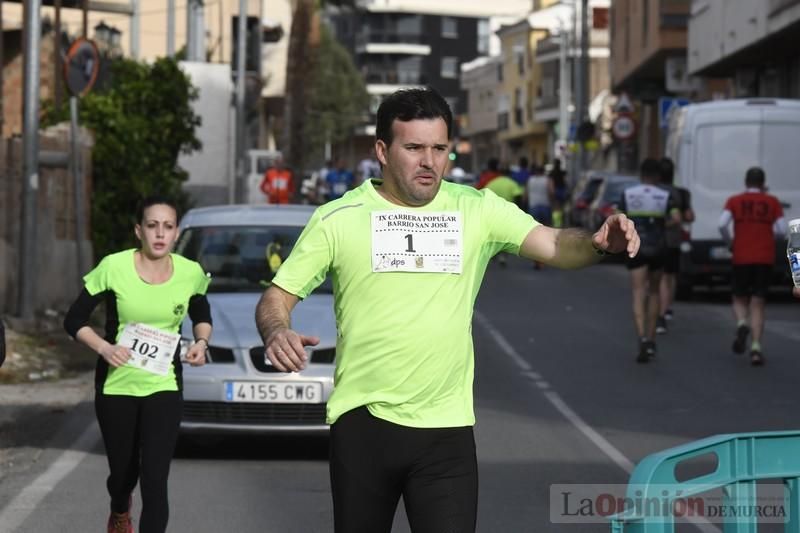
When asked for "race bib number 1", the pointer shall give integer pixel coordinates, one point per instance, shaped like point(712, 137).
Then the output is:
point(405, 241)
point(151, 349)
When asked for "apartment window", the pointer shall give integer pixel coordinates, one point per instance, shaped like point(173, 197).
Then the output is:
point(409, 25)
point(499, 72)
point(449, 27)
point(409, 71)
point(519, 58)
point(449, 67)
point(518, 107)
point(483, 37)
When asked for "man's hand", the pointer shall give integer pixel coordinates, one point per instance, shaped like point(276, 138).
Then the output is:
point(617, 234)
point(285, 349)
point(796, 292)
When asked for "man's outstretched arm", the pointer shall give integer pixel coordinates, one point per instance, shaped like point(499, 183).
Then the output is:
point(284, 347)
point(576, 248)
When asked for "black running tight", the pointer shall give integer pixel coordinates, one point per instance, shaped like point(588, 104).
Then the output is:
point(140, 435)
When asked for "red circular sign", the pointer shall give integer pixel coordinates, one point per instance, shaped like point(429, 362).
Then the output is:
point(624, 127)
point(81, 66)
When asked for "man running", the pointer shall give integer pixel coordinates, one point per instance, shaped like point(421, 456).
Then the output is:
point(673, 237)
point(757, 217)
point(652, 209)
point(407, 254)
point(278, 183)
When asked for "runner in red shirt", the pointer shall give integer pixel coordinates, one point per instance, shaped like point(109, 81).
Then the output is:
point(278, 184)
point(757, 217)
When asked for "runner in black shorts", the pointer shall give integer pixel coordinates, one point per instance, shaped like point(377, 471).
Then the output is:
point(651, 208)
point(674, 237)
point(757, 217)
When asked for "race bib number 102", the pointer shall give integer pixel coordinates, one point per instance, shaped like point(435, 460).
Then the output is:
point(152, 349)
point(404, 241)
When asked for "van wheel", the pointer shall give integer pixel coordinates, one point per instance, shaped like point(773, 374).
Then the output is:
point(683, 289)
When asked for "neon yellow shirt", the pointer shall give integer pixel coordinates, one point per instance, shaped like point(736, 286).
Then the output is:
point(163, 306)
point(506, 188)
point(404, 345)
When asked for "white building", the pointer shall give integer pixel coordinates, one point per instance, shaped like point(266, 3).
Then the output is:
point(753, 42)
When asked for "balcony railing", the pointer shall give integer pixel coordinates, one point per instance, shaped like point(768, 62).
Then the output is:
point(388, 37)
point(393, 77)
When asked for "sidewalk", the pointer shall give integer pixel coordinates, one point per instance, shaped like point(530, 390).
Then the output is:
point(45, 375)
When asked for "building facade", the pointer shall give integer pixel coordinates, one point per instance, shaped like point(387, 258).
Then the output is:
point(559, 21)
point(754, 44)
point(481, 80)
point(412, 43)
point(648, 58)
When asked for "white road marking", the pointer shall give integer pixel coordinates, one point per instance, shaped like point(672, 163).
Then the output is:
point(28, 500)
point(611, 451)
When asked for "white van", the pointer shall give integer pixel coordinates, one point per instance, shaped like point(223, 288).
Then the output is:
point(713, 144)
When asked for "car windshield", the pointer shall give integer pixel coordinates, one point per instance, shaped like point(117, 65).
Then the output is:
point(614, 189)
point(591, 189)
point(240, 258)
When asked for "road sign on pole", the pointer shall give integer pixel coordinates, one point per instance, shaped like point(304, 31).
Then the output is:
point(624, 104)
point(623, 128)
point(666, 106)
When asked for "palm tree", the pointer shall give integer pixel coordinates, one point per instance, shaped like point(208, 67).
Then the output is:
point(303, 55)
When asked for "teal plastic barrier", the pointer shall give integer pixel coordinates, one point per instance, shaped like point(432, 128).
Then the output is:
point(742, 460)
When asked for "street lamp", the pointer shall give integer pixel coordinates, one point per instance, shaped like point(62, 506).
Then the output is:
point(102, 33)
point(115, 38)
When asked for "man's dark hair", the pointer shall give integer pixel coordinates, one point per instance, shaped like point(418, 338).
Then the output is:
point(650, 169)
point(411, 104)
point(523, 163)
point(755, 177)
point(493, 164)
point(667, 168)
point(150, 201)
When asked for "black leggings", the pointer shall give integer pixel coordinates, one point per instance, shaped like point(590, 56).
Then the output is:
point(140, 435)
point(373, 462)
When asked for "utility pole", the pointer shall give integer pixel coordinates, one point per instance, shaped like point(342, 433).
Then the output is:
point(564, 82)
point(195, 31)
point(583, 110)
point(241, 130)
point(30, 162)
point(170, 28)
point(135, 29)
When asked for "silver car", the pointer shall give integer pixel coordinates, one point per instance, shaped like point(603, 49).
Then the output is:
point(238, 390)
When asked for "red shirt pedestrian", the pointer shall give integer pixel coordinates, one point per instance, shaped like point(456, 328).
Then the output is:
point(278, 185)
point(754, 214)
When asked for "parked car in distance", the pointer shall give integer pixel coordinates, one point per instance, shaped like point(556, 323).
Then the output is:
point(608, 198)
point(241, 247)
point(583, 194)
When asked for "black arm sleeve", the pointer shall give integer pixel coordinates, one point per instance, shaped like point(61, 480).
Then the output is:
point(80, 311)
point(2, 343)
point(199, 310)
